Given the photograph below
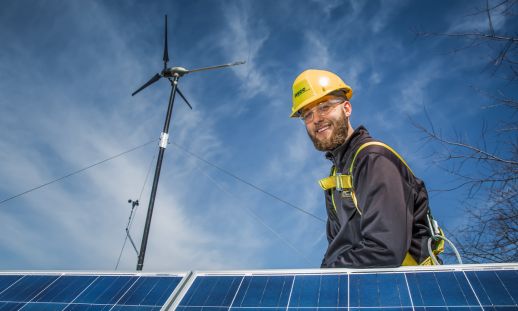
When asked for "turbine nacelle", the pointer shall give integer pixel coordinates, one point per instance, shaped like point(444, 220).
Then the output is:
point(174, 71)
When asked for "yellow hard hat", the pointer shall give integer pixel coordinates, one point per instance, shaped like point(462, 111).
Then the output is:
point(312, 84)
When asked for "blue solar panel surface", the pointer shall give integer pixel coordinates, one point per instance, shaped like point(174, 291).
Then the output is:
point(416, 290)
point(85, 292)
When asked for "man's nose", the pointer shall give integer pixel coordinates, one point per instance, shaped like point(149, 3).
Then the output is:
point(317, 117)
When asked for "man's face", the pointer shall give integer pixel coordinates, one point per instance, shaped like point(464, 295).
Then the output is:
point(330, 130)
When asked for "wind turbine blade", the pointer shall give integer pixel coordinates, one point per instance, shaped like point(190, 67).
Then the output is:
point(218, 66)
point(185, 99)
point(166, 51)
point(151, 81)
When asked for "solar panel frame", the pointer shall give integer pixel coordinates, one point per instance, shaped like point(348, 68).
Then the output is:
point(36, 300)
point(468, 287)
point(440, 274)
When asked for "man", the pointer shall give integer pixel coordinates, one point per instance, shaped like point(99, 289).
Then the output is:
point(377, 209)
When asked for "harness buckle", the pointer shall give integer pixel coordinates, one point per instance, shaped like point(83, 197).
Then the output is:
point(339, 185)
point(346, 194)
point(434, 227)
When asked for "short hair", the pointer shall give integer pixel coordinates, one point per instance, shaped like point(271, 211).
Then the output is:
point(339, 93)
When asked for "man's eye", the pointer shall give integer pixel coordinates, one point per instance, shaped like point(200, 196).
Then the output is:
point(325, 108)
point(308, 115)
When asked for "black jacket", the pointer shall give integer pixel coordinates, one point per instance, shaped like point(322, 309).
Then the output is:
point(394, 205)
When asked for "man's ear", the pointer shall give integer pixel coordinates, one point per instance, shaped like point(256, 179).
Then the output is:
point(348, 108)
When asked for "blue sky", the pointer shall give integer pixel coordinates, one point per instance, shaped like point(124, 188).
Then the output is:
point(67, 69)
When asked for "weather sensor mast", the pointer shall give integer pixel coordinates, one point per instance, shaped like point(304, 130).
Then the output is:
point(172, 74)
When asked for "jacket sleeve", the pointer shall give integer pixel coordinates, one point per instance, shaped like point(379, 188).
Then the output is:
point(385, 199)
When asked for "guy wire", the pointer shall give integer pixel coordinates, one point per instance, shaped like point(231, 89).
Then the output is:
point(259, 219)
point(184, 150)
point(133, 212)
point(75, 172)
point(249, 183)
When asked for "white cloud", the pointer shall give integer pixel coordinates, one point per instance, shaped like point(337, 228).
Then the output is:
point(385, 13)
point(243, 40)
point(328, 6)
point(413, 89)
point(375, 78)
point(317, 51)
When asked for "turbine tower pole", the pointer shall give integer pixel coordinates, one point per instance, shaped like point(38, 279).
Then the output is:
point(164, 139)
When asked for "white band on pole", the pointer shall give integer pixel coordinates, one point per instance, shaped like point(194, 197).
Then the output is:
point(164, 139)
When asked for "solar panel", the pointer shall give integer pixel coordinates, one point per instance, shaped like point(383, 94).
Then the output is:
point(66, 291)
point(463, 288)
point(458, 288)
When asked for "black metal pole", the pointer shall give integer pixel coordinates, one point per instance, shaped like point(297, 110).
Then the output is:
point(163, 144)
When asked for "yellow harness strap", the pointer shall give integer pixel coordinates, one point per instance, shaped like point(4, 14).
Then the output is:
point(336, 181)
point(410, 261)
point(345, 182)
point(377, 143)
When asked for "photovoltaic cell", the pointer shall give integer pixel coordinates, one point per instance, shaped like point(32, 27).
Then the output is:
point(85, 292)
point(64, 289)
point(441, 289)
point(213, 292)
point(106, 290)
point(148, 291)
point(378, 290)
point(26, 288)
point(8, 306)
point(496, 289)
point(355, 291)
point(319, 291)
point(7, 281)
point(264, 292)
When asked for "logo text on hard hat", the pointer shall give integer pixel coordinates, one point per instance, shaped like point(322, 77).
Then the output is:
point(300, 92)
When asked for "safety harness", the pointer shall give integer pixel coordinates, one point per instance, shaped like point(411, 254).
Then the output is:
point(343, 183)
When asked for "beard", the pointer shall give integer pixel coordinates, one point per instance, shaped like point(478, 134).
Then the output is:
point(338, 136)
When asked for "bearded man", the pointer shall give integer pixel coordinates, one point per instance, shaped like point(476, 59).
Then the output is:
point(378, 214)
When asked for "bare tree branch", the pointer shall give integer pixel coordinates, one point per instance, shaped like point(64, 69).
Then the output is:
point(488, 178)
point(483, 154)
point(473, 35)
point(489, 20)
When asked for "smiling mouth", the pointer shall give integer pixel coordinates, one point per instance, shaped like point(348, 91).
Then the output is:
point(323, 129)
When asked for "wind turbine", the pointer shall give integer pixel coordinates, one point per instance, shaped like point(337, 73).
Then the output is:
point(173, 74)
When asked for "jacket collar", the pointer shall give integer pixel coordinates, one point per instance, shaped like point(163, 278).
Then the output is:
point(341, 154)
